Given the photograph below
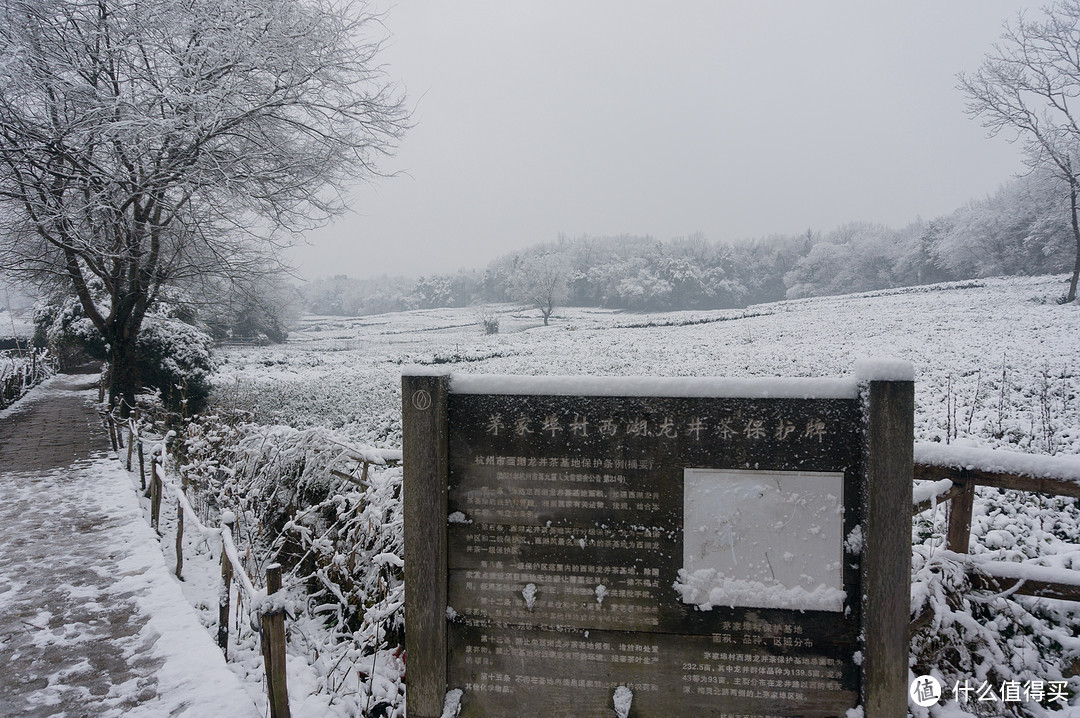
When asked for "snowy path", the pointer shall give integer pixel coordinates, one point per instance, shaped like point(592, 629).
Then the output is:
point(92, 623)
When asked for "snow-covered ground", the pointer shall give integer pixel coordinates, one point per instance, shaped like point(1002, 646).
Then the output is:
point(995, 360)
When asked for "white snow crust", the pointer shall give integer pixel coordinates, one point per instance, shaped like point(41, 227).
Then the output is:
point(452, 703)
point(749, 388)
point(706, 588)
point(929, 489)
point(622, 699)
point(193, 677)
point(884, 369)
point(970, 456)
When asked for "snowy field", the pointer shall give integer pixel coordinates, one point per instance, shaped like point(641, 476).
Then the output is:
point(995, 359)
point(995, 368)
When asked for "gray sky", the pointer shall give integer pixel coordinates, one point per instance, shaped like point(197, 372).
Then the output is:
point(738, 119)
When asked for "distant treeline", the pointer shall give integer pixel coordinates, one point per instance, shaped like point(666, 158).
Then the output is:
point(1021, 229)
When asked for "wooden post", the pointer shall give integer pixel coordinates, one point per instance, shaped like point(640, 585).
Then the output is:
point(142, 469)
point(130, 446)
point(223, 598)
point(155, 495)
point(112, 432)
point(425, 437)
point(889, 463)
point(179, 540)
point(958, 538)
point(273, 648)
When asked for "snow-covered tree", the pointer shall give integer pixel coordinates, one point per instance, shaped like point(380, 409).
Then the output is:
point(147, 143)
point(1027, 85)
point(540, 280)
point(1020, 229)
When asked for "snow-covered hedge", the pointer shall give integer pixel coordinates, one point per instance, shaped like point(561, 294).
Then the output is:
point(20, 371)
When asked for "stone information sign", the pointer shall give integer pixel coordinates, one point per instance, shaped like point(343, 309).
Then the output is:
point(700, 546)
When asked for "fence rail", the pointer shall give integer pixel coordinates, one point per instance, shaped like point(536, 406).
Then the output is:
point(953, 474)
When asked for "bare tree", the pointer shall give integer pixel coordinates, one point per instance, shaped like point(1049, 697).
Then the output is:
point(151, 142)
point(1028, 85)
point(540, 280)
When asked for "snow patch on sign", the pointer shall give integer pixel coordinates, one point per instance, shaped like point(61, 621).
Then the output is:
point(884, 369)
point(708, 387)
point(707, 588)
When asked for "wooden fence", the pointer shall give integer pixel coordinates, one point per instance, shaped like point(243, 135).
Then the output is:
point(953, 475)
point(265, 606)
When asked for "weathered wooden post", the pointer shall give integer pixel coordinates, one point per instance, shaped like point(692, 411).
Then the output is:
point(155, 494)
point(179, 540)
point(890, 409)
point(130, 446)
point(958, 537)
point(142, 469)
point(112, 432)
point(423, 400)
point(225, 593)
point(273, 648)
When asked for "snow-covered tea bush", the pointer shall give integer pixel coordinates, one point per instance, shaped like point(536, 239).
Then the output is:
point(339, 540)
point(172, 354)
point(998, 635)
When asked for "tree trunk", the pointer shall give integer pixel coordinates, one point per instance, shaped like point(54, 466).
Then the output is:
point(1071, 296)
point(123, 376)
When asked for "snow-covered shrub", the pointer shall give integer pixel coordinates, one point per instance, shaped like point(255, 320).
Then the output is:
point(62, 326)
point(976, 635)
point(340, 541)
point(174, 358)
point(20, 371)
point(172, 354)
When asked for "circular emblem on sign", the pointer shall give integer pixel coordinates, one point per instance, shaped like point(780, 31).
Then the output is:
point(421, 400)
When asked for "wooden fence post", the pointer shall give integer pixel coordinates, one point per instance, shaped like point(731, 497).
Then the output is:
point(223, 598)
point(130, 446)
point(273, 648)
point(958, 538)
point(886, 560)
point(142, 469)
point(179, 539)
point(155, 495)
point(112, 432)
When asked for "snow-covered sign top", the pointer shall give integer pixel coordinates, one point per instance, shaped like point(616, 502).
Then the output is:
point(690, 387)
point(770, 388)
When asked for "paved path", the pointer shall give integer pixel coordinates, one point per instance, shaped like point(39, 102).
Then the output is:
point(52, 429)
point(91, 622)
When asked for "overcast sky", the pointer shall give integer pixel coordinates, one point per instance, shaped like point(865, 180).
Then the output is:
point(737, 119)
